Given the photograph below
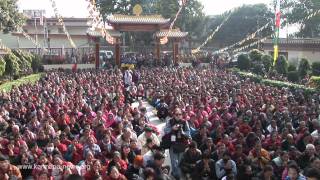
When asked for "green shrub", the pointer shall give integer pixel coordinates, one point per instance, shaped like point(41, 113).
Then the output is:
point(243, 62)
point(255, 55)
point(282, 65)
point(304, 67)
point(293, 76)
point(292, 67)
point(24, 61)
point(253, 77)
point(258, 69)
point(315, 81)
point(315, 68)
point(36, 63)
point(267, 61)
point(12, 66)
point(2, 66)
point(269, 82)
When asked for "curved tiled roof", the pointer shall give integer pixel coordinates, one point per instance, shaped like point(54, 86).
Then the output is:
point(143, 19)
point(295, 41)
point(173, 33)
point(95, 33)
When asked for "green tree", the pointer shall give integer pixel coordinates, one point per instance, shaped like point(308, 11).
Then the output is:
point(2, 66)
point(10, 18)
point(282, 65)
point(243, 62)
point(295, 11)
point(24, 60)
point(247, 19)
point(304, 67)
point(12, 66)
point(267, 61)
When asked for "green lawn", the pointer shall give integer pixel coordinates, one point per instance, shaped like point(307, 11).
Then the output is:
point(27, 79)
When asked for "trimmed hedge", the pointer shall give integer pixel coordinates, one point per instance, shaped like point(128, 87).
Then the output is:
point(292, 67)
point(293, 76)
point(315, 81)
point(282, 65)
point(267, 61)
point(315, 68)
point(12, 65)
point(2, 66)
point(33, 78)
point(244, 62)
point(275, 83)
point(304, 67)
point(255, 55)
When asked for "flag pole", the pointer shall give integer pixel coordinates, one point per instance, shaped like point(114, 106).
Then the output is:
point(276, 33)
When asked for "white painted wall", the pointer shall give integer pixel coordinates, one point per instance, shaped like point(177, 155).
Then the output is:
point(68, 66)
point(55, 42)
point(294, 56)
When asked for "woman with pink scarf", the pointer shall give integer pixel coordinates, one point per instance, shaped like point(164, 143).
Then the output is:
point(110, 120)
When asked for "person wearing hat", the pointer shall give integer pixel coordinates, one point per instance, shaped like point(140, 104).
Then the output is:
point(147, 134)
point(134, 171)
point(7, 170)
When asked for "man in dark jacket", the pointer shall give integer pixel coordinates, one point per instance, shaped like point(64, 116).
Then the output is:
point(134, 171)
point(308, 154)
point(189, 159)
point(179, 132)
point(163, 111)
point(205, 168)
point(156, 165)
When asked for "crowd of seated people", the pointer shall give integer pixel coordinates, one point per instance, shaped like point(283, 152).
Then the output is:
point(217, 126)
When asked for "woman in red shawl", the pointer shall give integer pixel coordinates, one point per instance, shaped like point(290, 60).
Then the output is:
point(96, 170)
point(110, 120)
point(115, 175)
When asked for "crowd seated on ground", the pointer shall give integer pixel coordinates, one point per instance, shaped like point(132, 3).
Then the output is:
point(218, 126)
point(246, 129)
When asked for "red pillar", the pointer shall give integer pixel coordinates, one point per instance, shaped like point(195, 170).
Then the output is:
point(97, 54)
point(117, 49)
point(175, 51)
point(158, 51)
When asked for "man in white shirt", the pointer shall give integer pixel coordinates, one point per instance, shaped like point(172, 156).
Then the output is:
point(127, 77)
point(147, 134)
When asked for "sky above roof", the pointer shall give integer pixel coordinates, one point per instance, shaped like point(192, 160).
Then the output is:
point(78, 8)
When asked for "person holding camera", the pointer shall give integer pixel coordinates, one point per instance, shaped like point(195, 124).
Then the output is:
point(178, 131)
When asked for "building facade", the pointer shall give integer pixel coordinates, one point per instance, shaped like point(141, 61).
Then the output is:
point(49, 34)
point(296, 49)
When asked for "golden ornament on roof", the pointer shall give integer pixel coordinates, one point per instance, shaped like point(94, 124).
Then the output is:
point(137, 10)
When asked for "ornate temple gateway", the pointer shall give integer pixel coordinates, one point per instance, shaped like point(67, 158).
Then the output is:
point(140, 23)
